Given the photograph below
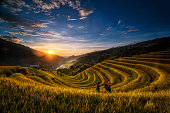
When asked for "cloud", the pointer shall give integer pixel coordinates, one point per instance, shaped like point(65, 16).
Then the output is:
point(20, 22)
point(1, 21)
point(70, 26)
point(82, 18)
point(45, 6)
point(101, 34)
point(38, 6)
point(12, 39)
point(39, 25)
point(70, 18)
point(128, 31)
point(51, 22)
point(119, 22)
point(18, 3)
point(12, 9)
point(85, 12)
point(58, 15)
point(47, 33)
point(81, 27)
point(43, 33)
point(109, 28)
point(15, 32)
point(36, 11)
point(65, 45)
point(31, 32)
point(70, 45)
point(52, 4)
point(126, 28)
point(14, 5)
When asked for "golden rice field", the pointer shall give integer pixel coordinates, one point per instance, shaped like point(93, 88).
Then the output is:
point(139, 84)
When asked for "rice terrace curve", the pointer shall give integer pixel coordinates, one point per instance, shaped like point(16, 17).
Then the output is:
point(84, 56)
point(139, 84)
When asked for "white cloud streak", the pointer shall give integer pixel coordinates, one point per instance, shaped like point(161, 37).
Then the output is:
point(38, 6)
point(68, 18)
point(128, 31)
point(101, 34)
point(119, 22)
point(81, 27)
point(82, 18)
point(70, 26)
point(64, 45)
point(109, 28)
point(85, 12)
point(127, 28)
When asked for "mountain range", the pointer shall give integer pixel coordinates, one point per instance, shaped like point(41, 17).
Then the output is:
point(17, 54)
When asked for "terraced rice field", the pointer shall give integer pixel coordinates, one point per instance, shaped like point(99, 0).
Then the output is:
point(145, 76)
point(146, 72)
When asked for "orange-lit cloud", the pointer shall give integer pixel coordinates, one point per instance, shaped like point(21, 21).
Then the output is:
point(71, 18)
point(12, 39)
point(85, 12)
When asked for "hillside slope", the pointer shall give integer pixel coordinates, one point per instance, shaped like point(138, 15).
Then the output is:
point(17, 54)
point(139, 84)
point(158, 44)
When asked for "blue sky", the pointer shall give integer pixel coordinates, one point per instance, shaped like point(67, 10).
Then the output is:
point(73, 27)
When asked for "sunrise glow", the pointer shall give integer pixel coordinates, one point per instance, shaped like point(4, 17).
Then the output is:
point(50, 52)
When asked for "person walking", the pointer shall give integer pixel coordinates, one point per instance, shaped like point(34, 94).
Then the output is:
point(98, 87)
point(106, 87)
point(109, 89)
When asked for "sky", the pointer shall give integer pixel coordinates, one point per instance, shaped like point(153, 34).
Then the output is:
point(74, 27)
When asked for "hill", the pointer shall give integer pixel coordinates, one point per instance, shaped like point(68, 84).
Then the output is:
point(138, 84)
point(158, 44)
point(16, 54)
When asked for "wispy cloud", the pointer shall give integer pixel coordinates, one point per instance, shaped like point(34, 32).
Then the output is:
point(14, 5)
point(70, 26)
point(12, 39)
point(108, 28)
point(71, 46)
point(81, 27)
point(126, 28)
point(12, 9)
point(39, 5)
point(36, 11)
point(65, 45)
point(57, 4)
point(128, 31)
point(82, 18)
point(1, 20)
point(68, 18)
point(101, 34)
point(44, 6)
point(85, 12)
point(119, 22)
point(17, 21)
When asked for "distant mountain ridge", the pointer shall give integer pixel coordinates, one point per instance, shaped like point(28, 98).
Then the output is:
point(158, 44)
point(17, 54)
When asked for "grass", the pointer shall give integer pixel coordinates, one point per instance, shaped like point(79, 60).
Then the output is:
point(41, 98)
point(139, 84)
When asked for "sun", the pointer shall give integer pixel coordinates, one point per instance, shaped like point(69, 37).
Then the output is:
point(50, 52)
